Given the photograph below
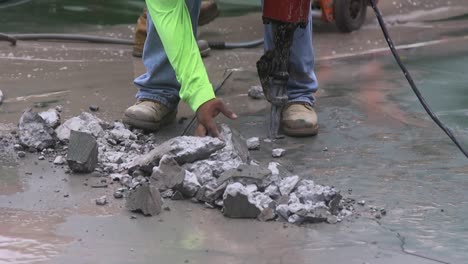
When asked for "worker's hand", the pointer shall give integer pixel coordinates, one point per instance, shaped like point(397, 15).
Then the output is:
point(206, 114)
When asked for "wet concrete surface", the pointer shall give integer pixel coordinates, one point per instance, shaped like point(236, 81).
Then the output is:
point(374, 140)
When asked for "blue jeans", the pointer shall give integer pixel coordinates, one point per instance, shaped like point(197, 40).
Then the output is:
point(159, 83)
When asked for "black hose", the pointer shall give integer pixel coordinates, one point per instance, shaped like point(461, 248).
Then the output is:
point(411, 82)
point(106, 40)
point(73, 37)
point(233, 45)
point(11, 39)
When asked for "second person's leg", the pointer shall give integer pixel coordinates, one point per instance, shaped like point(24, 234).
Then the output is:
point(299, 117)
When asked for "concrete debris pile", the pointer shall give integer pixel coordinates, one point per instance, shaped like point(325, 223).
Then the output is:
point(214, 172)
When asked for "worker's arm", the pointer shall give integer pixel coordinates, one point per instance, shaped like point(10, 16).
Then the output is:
point(172, 21)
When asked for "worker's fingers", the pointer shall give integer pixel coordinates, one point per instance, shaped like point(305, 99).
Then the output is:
point(200, 131)
point(226, 111)
point(211, 128)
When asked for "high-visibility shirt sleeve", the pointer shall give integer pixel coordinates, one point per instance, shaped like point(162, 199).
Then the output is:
point(172, 21)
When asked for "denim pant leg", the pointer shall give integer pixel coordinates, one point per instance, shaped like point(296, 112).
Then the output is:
point(302, 80)
point(159, 83)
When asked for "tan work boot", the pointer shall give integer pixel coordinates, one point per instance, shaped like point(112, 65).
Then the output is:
point(208, 12)
point(148, 115)
point(299, 119)
point(140, 36)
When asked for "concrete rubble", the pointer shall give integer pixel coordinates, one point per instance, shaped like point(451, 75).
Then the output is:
point(52, 117)
point(34, 132)
point(216, 173)
point(144, 198)
point(1, 97)
point(85, 122)
point(253, 143)
point(82, 152)
point(59, 160)
point(256, 92)
point(278, 153)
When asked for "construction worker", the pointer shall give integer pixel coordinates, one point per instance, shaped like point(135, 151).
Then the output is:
point(174, 71)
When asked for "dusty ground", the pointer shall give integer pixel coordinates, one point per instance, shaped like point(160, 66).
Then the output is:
point(380, 145)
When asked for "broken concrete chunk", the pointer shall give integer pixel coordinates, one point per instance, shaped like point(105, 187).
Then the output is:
point(116, 176)
point(59, 160)
point(317, 214)
point(167, 194)
point(251, 188)
point(236, 203)
point(261, 200)
point(118, 195)
point(94, 108)
point(144, 198)
point(308, 191)
point(246, 174)
point(183, 149)
point(334, 204)
point(287, 185)
point(168, 175)
point(267, 214)
point(177, 196)
point(295, 219)
point(256, 92)
point(283, 211)
point(277, 153)
point(204, 171)
point(85, 122)
point(34, 131)
point(273, 167)
point(82, 152)
point(253, 143)
point(52, 117)
point(101, 200)
point(235, 142)
point(18, 147)
point(190, 185)
point(120, 133)
point(272, 191)
point(332, 219)
point(21, 154)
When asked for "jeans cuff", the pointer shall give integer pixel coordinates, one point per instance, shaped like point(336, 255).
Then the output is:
point(303, 99)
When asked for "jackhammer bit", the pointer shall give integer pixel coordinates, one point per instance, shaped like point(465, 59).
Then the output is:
point(273, 72)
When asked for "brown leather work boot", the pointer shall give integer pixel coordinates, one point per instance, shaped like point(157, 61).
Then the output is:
point(299, 119)
point(140, 36)
point(208, 12)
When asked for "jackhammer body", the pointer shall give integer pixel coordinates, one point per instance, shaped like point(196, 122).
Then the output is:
point(273, 67)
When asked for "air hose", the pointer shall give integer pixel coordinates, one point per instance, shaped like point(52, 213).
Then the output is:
point(105, 40)
point(411, 82)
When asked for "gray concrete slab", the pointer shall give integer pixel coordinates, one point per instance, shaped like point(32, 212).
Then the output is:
point(379, 144)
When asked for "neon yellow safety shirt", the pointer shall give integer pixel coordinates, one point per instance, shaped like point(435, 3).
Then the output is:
point(172, 21)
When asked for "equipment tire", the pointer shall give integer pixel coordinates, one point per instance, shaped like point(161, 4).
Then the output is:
point(349, 14)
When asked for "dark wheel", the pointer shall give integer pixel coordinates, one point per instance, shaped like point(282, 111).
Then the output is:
point(349, 14)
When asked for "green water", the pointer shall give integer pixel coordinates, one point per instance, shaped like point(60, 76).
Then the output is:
point(77, 15)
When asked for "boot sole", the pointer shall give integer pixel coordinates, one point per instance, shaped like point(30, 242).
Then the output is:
point(301, 132)
point(148, 125)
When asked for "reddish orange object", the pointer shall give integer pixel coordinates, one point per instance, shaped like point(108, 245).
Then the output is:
point(286, 11)
point(327, 10)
